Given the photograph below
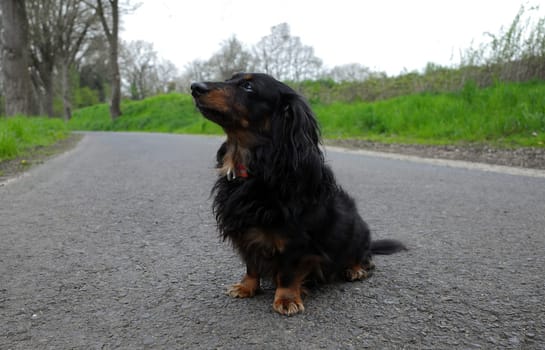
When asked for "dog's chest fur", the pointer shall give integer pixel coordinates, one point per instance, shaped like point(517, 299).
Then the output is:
point(266, 243)
point(236, 156)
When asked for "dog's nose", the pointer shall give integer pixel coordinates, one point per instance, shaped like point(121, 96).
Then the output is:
point(198, 89)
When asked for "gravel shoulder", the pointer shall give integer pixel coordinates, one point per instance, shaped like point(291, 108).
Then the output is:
point(14, 167)
point(522, 157)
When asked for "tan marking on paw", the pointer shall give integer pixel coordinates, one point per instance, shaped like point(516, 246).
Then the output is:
point(288, 301)
point(247, 288)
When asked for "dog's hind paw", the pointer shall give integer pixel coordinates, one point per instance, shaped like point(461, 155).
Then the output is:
point(357, 273)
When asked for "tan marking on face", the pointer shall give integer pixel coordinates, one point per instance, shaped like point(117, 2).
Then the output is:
point(218, 100)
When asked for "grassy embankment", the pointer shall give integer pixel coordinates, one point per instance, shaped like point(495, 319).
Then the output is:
point(20, 135)
point(504, 115)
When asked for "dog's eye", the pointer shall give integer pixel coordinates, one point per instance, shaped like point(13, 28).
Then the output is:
point(247, 86)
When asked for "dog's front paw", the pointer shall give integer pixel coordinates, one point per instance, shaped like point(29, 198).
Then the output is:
point(240, 290)
point(246, 288)
point(287, 302)
point(288, 307)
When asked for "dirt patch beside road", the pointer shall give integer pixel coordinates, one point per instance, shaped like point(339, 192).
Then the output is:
point(525, 157)
point(38, 155)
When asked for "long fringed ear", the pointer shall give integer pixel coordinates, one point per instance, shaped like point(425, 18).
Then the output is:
point(296, 135)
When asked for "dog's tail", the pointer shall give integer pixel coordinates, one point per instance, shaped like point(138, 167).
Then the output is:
point(386, 246)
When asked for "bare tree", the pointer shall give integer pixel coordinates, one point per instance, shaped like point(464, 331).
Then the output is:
point(305, 65)
point(2, 109)
point(196, 70)
point(144, 73)
point(108, 12)
point(285, 57)
point(58, 29)
point(351, 72)
point(76, 21)
point(42, 24)
point(231, 58)
point(16, 58)
point(139, 60)
point(93, 67)
point(167, 74)
point(269, 49)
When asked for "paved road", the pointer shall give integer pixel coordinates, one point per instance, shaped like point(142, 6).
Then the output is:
point(112, 245)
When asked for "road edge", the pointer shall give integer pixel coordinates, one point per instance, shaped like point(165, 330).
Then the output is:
point(39, 158)
point(501, 169)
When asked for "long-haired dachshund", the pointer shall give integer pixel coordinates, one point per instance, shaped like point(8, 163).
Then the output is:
point(275, 198)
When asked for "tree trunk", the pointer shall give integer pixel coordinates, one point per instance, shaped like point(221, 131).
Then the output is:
point(16, 59)
point(65, 86)
point(49, 93)
point(112, 34)
point(115, 106)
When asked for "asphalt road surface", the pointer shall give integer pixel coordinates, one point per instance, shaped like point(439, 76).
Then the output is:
point(113, 245)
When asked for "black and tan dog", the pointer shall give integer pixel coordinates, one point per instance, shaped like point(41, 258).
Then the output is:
point(275, 198)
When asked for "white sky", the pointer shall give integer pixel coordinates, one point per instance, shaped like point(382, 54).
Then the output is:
point(384, 35)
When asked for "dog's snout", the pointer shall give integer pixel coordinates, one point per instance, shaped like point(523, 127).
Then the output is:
point(198, 89)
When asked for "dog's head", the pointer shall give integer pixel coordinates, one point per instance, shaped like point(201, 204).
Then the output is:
point(254, 106)
point(244, 102)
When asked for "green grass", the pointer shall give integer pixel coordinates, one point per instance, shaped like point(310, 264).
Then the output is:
point(504, 115)
point(19, 135)
point(172, 113)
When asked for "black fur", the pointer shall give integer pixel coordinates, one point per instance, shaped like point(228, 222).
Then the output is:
point(288, 218)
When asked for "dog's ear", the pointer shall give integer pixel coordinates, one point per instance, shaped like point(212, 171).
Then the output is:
point(296, 135)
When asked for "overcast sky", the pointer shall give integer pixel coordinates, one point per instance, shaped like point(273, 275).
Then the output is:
point(385, 35)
